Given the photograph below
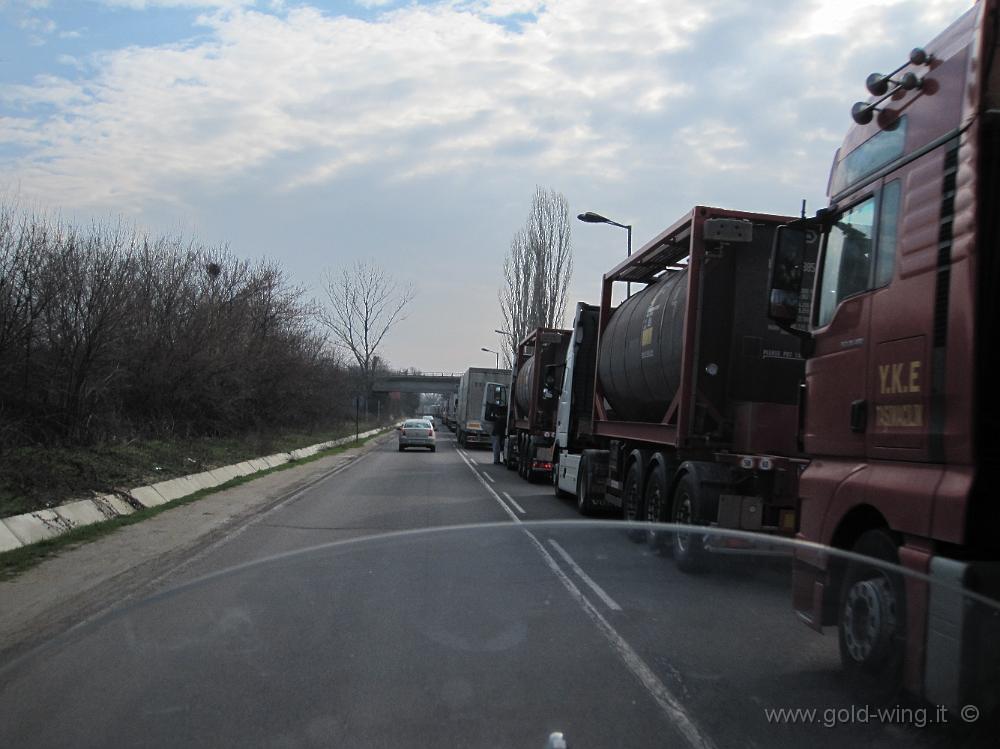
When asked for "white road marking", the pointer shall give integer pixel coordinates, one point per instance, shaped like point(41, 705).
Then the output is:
point(598, 590)
point(516, 505)
point(490, 478)
point(490, 489)
point(663, 697)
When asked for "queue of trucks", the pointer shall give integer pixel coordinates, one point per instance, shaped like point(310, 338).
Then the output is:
point(823, 378)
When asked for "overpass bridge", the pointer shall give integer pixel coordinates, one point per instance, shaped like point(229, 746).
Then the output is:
point(427, 382)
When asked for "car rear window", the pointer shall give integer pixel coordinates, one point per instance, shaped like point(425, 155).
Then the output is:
point(417, 424)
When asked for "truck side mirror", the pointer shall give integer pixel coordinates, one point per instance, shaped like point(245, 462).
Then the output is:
point(790, 279)
point(785, 281)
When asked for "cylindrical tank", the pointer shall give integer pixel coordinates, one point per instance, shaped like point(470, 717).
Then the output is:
point(522, 392)
point(640, 360)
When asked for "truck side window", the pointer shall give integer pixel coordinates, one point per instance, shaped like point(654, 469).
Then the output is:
point(848, 261)
point(885, 261)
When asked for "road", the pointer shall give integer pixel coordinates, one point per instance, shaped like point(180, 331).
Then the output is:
point(294, 630)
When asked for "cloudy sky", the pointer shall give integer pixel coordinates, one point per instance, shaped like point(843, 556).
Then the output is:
point(416, 132)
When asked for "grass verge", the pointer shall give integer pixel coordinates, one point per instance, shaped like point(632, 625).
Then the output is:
point(16, 561)
point(35, 478)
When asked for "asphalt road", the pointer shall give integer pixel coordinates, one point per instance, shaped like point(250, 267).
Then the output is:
point(294, 629)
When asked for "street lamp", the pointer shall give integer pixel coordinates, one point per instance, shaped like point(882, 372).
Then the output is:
point(491, 351)
point(596, 218)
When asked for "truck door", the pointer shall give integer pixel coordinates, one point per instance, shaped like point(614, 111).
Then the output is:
point(863, 356)
point(836, 375)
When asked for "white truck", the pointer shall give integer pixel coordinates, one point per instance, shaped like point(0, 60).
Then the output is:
point(469, 426)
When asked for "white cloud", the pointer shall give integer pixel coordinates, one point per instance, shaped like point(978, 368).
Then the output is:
point(583, 90)
point(436, 88)
point(145, 4)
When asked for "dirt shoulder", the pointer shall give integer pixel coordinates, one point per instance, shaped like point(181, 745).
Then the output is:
point(85, 581)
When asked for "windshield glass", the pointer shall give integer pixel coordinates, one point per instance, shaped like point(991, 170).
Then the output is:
point(407, 373)
point(493, 635)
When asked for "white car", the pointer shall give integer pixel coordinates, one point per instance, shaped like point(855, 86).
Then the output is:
point(417, 433)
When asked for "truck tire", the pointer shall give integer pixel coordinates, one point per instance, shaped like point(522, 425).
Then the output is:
point(633, 507)
point(657, 507)
point(584, 504)
point(871, 619)
point(689, 548)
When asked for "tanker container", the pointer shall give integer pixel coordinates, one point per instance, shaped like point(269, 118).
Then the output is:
point(531, 422)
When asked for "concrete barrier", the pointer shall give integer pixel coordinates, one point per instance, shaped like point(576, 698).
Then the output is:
point(204, 480)
point(83, 512)
point(31, 527)
point(8, 540)
point(224, 474)
point(279, 459)
point(147, 496)
point(112, 505)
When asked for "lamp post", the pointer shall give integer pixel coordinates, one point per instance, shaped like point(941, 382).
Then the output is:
point(491, 351)
point(596, 218)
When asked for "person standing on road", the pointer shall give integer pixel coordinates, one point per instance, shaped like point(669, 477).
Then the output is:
point(497, 447)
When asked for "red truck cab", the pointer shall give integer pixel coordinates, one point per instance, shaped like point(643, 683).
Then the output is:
point(900, 413)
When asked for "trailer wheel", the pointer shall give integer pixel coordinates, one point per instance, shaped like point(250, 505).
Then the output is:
point(633, 508)
point(872, 618)
point(689, 548)
point(657, 507)
point(584, 504)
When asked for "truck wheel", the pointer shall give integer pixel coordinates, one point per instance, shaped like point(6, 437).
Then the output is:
point(872, 618)
point(584, 504)
point(633, 508)
point(689, 548)
point(657, 507)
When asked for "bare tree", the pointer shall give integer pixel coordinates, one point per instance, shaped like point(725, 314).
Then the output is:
point(365, 302)
point(537, 269)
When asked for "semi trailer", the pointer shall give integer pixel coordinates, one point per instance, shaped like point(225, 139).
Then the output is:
point(470, 429)
point(530, 428)
point(680, 402)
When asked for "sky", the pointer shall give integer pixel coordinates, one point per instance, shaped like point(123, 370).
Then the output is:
point(415, 133)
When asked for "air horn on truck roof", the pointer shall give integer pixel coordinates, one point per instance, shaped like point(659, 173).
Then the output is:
point(879, 85)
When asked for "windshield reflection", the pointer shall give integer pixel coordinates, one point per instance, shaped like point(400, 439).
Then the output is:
point(482, 636)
